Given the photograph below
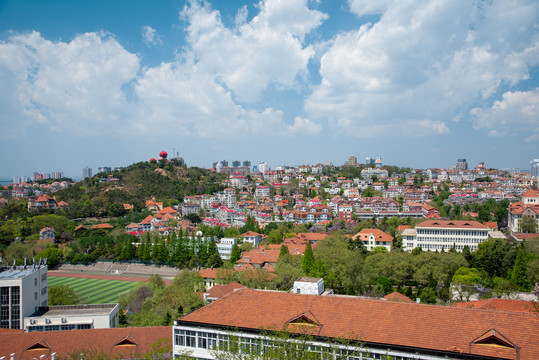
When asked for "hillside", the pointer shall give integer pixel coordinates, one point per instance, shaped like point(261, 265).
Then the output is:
point(105, 193)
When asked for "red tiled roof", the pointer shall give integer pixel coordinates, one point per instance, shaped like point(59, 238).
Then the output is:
point(218, 291)
point(531, 193)
point(64, 343)
point(460, 224)
point(439, 328)
point(397, 296)
point(519, 306)
point(379, 235)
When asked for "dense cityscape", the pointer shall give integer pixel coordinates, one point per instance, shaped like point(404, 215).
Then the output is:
point(269, 179)
point(453, 237)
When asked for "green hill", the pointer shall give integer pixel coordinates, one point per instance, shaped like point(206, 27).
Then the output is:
point(105, 193)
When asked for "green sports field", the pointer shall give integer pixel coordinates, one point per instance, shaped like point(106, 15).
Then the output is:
point(94, 291)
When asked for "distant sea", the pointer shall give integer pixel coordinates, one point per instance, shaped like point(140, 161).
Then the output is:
point(5, 182)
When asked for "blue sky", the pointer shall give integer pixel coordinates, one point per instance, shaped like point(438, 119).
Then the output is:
point(110, 83)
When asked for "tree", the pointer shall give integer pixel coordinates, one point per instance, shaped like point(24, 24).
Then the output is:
point(467, 276)
point(284, 250)
point(528, 224)
point(307, 264)
point(62, 295)
point(52, 254)
point(235, 254)
point(519, 275)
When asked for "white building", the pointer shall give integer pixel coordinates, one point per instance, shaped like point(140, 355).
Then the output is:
point(263, 167)
point(23, 289)
point(73, 317)
point(432, 235)
point(224, 246)
point(308, 286)
point(534, 167)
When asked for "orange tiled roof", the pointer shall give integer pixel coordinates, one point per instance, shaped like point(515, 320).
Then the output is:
point(531, 193)
point(440, 328)
point(397, 296)
point(31, 345)
point(519, 306)
point(460, 224)
point(218, 291)
point(379, 235)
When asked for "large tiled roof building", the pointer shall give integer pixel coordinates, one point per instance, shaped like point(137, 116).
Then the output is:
point(398, 329)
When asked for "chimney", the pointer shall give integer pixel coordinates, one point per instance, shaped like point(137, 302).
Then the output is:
point(12, 356)
point(418, 300)
point(53, 356)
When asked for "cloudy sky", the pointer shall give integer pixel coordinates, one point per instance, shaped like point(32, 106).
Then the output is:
point(291, 82)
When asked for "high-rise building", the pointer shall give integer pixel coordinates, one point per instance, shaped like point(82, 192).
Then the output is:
point(247, 163)
point(103, 169)
point(236, 163)
point(534, 167)
point(263, 167)
point(86, 173)
point(23, 289)
point(369, 161)
point(462, 164)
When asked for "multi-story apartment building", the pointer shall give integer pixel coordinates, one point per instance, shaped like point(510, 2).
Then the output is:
point(86, 173)
point(23, 289)
point(435, 235)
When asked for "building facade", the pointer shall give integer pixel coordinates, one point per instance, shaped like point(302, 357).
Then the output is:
point(437, 235)
point(23, 289)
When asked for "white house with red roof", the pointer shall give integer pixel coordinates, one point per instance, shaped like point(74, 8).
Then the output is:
point(529, 206)
point(373, 238)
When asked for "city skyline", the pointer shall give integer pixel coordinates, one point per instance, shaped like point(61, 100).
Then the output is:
point(287, 83)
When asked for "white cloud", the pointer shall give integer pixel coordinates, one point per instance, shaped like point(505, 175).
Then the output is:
point(150, 36)
point(74, 86)
point(369, 7)
point(516, 113)
point(304, 126)
point(423, 65)
point(267, 50)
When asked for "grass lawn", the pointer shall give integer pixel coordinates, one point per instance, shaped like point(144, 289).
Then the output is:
point(94, 291)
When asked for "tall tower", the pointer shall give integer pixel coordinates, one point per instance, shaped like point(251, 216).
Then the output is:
point(462, 164)
point(534, 167)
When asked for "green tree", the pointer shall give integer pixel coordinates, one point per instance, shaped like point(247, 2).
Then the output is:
point(307, 264)
point(52, 254)
point(62, 295)
point(528, 224)
point(467, 276)
point(284, 250)
point(235, 254)
point(519, 275)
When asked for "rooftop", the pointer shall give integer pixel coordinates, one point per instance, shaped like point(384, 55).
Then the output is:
point(18, 272)
point(75, 310)
point(442, 329)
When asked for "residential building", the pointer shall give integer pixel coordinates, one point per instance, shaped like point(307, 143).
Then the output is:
point(371, 329)
point(528, 206)
point(71, 317)
point(102, 169)
point(373, 238)
point(352, 161)
point(23, 289)
point(224, 246)
point(263, 167)
point(462, 164)
point(437, 235)
point(86, 173)
point(47, 233)
point(252, 237)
